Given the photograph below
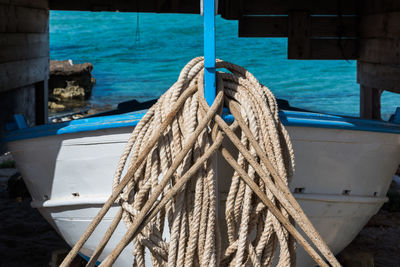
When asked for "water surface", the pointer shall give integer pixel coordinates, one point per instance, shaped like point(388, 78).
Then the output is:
point(140, 56)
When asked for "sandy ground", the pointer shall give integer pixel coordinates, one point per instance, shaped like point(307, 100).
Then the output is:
point(26, 239)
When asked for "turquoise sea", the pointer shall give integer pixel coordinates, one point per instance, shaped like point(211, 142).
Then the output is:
point(140, 55)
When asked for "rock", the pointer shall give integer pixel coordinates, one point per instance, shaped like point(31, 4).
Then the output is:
point(70, 92)
point(69, 85)
point(64, 74)
point(55, 106)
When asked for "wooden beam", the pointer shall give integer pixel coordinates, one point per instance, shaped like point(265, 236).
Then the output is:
point(23, 19)
point(20, 46)
point(41, 102)
point(43, 4)
point(269, 26)
point(385, 77)
point(169, 6)
point(282, 7)
point(346, 49)
point(370, 102)
point(337, 26)
point(277, 26)
point(379, 6)
point(384, 25)
point(22, 73)
point(23, 38)
point(384, 51)
point(299, 35)
point(302, 46)
point(231, 9)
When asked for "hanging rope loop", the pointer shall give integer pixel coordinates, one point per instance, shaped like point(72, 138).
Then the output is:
point(168, 196)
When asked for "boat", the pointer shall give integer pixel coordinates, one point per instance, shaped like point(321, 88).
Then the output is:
point(344, 167)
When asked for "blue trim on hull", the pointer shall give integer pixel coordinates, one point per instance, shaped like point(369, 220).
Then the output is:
point(288, 118)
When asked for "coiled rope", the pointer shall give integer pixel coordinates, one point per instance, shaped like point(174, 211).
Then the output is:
point(171, 177)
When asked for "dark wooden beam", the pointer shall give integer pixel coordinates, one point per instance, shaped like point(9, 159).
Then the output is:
point(22, 46)
point(370, 102)
point(17, 19)
point(336, 26)
point(379, 6)
point(277, 26)
point(167, 6)
point(281, 7)
point(42, 4)
point(299, 35)
point(20, 73)
point(384, 25)
point(385, 77)
point(346, 49)
point(380, 50)
point(269, 26)
point(231, 9)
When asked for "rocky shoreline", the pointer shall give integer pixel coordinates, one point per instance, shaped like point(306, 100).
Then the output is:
point(70, 86)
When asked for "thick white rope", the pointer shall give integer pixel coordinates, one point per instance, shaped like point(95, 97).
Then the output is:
point(192, 212)
point(171, 178)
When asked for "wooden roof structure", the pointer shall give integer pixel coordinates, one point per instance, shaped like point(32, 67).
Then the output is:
point(364, 30)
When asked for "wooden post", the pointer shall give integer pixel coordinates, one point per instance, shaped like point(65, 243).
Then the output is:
point(370, 102)
point(299, 35)
point(41, 102)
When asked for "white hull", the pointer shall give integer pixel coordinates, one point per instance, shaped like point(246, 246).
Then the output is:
point(342, 177)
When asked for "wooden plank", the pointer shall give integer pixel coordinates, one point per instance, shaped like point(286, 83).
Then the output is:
point(334, 26)
point(277, 26)
point(23, 19)
point(380, 76)
point(384, 51)
point(22, 52)
point(385, 25)
point(370, 102)
point(41, 102)
point(19, 46)
point(299, 34)
point(231, 9)
point(169, 6)
point(254, 26)
point(281, 7)
point(22, 73)
point(346, 49)
point(23, 38)
point(379, 6)
point(43, 4)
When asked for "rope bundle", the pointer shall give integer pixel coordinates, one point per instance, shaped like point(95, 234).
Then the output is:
point(171, 177)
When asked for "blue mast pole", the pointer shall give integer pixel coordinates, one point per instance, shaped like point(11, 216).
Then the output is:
point(209, 50)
